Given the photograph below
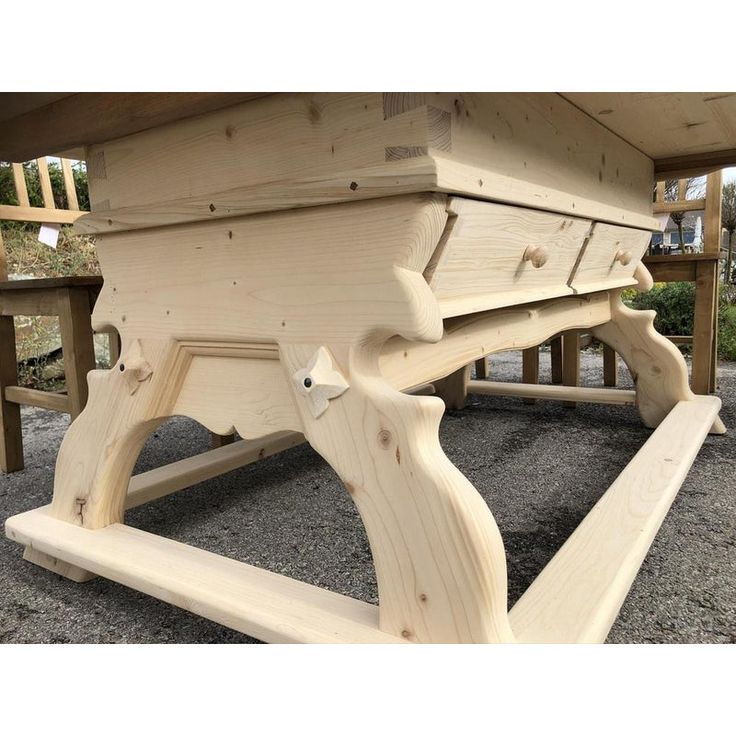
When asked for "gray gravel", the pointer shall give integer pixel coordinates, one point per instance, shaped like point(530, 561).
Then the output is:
point(540, 468)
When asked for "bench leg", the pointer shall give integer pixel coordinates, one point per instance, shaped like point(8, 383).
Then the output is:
point(220, 440)
point(453, 389)
point(530, 368)
point(481, 369)
point(610, 366)
point(555, 345)
point(570, 360)
point(77, 345)
point(11, 439)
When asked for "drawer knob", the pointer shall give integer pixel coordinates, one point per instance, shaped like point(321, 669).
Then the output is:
point(623, 257)
point(537, 254)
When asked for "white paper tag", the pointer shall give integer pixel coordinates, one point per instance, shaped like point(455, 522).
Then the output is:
point(49, 235)
point(663, 220)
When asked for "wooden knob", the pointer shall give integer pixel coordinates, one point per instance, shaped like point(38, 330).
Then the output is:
point(623, 257)
point(537, 254)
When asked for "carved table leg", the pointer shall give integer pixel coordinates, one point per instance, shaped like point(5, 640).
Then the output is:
point(99, 450)
point(657, 366)
point(438, 555)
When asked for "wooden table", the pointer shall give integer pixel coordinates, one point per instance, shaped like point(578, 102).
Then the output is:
point(300, 264)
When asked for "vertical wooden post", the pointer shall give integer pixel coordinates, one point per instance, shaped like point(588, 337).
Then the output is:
point(570, 360)
point(11, 439)
point(3, 260)
point(481, 368)
point(530, 368)
point(71, 190)
point(705, 330)
point(610, 366)
point(19, 177)
point(453, 389)
point(77, 345)
point(113, 339)
point(220, 440)
point(659, 196)
point(713, 205)
point(47, 192)
point(704, 337)
point(556, 359)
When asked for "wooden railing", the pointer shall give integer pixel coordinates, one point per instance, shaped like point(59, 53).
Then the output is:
point(49, 213)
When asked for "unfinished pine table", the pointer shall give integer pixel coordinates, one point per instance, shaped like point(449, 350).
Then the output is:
point(301, 266)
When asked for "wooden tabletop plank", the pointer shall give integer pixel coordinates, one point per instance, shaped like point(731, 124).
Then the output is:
point(681, 132)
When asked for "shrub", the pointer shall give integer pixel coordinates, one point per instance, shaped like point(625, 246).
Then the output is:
point(674, 304)
point(727, 332)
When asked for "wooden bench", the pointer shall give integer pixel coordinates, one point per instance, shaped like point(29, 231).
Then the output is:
point(71, 299)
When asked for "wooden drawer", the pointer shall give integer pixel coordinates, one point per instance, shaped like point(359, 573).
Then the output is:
point(494, 255)
point(610, 257)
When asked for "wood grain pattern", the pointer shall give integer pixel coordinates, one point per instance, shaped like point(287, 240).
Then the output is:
point(619, 397)
point(337, 272)
point(481, 265)
point(578, 594)
point(438, 554)
point(33, 397)
point(682, 125)
point(309, 149)
point(599, 264)
point(21, 189)
point(263, 604)
point(163, 481)
point(404, 362)
point(56, 122)
point(656, 365)
point(38, 214)
point(69, 187)
point(11, 441)
point(77, 344)
point(44, 179)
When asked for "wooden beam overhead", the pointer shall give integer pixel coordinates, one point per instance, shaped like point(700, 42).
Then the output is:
point(94, 117)
point(684, 133)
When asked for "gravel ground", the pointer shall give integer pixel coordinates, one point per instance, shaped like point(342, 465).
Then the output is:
point(540, 467)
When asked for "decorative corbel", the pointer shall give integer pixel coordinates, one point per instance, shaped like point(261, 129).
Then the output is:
point(134, 367)
point(319, 382)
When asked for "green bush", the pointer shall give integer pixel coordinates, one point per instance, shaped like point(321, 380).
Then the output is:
point(674, 304)
point(727, 332)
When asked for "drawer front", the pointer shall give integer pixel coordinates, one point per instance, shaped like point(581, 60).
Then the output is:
point(494, 255)
point(610, 257)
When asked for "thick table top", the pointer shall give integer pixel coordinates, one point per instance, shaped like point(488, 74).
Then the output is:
point(679, 131)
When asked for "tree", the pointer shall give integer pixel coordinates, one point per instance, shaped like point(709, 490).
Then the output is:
point(694, 189)
point(728, 220)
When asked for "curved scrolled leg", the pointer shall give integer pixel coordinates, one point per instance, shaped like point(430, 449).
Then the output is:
point(438, 554)
point(100, 448)
point(657, 366)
